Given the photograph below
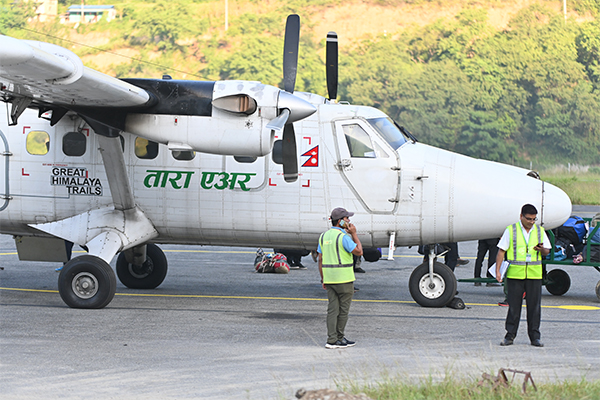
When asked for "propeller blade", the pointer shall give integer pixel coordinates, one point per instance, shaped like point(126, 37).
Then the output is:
point(278, 122)
point(290, 52)
point(331, 60)
point(290, 158)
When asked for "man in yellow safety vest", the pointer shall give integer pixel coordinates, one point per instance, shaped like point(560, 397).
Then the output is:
point(336, 247)
point(524, 244)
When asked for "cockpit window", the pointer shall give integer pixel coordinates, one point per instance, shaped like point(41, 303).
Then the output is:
point(359, 142)
point(389, 131)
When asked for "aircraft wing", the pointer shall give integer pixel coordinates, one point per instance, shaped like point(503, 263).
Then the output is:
point(49, 74)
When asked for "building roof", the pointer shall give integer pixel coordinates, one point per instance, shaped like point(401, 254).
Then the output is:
point(90, 8)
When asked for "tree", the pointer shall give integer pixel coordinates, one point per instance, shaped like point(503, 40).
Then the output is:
point(14, 14)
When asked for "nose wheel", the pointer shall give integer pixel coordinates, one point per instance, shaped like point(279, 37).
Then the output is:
point(436, 291)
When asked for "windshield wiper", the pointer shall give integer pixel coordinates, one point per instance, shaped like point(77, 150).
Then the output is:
point(406, 132)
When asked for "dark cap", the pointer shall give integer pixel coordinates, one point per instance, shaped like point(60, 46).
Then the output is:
point(339, 213)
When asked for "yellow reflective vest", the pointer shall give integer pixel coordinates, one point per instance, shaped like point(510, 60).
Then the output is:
point(525, 262)
point(337, 262)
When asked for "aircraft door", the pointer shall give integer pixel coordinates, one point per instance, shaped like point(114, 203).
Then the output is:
point(4, 157)
point(368, 165)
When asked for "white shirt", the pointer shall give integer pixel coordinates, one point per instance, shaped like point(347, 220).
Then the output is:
point(504, 242)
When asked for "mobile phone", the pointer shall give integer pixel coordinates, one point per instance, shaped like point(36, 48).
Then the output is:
point(342, 223)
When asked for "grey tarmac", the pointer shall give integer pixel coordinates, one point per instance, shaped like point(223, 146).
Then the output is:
point(216, 330)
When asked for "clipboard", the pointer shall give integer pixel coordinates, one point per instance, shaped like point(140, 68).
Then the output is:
point(503, 269)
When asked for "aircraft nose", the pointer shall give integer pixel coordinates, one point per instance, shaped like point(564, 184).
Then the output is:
point(469, 199)
point(556, 206)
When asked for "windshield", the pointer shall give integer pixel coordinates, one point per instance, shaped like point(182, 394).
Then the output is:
point(389, 131)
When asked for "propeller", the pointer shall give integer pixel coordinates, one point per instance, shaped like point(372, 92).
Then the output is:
point(292, 108)
point(290, 68)
point(331, 61)
point(290, 52)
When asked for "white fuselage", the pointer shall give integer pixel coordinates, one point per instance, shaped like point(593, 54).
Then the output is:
point(423, 194)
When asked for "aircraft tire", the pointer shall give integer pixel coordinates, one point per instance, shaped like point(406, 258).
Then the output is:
point(87, 282)
point(558, 282)
point(147, 276)
point(440, 293)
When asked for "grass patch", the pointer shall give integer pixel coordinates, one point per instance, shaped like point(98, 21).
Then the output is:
point(451, 389)
point(582, 187)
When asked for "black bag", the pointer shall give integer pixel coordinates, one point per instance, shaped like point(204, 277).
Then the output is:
point(372, 254)
point(573, 231)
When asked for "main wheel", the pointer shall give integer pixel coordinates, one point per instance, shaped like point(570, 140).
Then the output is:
point(146, 276)
point(87, 282)
point(436, 293)
point(558, 282)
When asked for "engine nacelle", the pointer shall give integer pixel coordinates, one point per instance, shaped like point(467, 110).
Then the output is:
point(219, 134)
point(240, 112)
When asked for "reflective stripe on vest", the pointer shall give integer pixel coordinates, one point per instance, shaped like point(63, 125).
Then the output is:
point(516, 254)
point(337, 262)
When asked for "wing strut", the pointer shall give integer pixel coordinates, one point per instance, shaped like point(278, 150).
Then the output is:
point(116, 172)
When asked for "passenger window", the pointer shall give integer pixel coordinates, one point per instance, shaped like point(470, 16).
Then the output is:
point(73, 144)
point(38, 143)
point(183, 155)
point(359, 142)
point(146, 149)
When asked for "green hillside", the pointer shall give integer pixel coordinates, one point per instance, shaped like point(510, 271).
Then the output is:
point(504, 80)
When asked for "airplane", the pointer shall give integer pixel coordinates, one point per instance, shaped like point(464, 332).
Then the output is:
point(118, 166)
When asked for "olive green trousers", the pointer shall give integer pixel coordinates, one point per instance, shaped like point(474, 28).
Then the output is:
point(340, 297)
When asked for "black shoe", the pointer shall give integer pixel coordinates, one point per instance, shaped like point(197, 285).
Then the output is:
point(506, 342)
point(336, 345)
point(359, 270)
point(503, 303)
point(537, 343)
point(477, 283)
point(462, 261)
point(348, 343)
point(300, 266)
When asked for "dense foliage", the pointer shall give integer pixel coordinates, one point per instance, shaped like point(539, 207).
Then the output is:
point(527, 92)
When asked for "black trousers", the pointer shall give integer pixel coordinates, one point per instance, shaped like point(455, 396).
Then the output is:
point(516, 288)
point(483, 246)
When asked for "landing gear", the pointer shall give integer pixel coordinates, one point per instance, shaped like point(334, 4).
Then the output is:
point(558, 282)
point(87, 282)
point(148, 275)
point(432, 293)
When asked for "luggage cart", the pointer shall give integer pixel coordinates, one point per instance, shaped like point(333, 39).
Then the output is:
point(557, 281)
